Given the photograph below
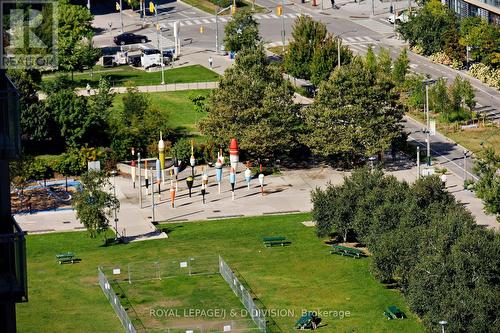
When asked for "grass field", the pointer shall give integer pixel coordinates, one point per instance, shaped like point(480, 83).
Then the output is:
point(302, 276)
point(182, 116)
point(120, 75)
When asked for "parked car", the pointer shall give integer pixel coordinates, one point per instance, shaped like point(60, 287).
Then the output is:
point(402, 17)
point(129, 38)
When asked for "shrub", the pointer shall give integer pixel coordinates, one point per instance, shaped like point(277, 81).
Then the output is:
point(441, 58)
point(486, 74)
point(418, 49)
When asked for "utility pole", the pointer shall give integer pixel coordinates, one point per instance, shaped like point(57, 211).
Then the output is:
point(418, 162)
point(121, 15)
point(428, 132)
point(217, 12)
point(140, 179)
point(373, 7)
point(283, 24)
point(465, 165)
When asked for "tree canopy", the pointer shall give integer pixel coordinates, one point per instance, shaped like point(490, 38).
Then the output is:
point(253, 104)
point(241, 32)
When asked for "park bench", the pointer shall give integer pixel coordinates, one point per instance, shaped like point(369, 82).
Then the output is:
point(66, 257)
point(308, 321)
point(346, 251)
point(275, 241)
point(393, 312)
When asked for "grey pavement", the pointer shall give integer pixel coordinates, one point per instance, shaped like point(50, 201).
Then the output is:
point(288, 192)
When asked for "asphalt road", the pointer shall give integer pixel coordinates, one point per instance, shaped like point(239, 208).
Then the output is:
point(357, 29)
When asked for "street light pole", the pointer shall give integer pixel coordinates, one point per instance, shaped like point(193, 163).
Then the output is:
point(418, 162)
point(465, 165)
point(113, 173)
point(283, 24)
point(428, 126)
point(338, 45)
point(443, 323)
point(162, 63)
point(217, 12)
point(121, 15)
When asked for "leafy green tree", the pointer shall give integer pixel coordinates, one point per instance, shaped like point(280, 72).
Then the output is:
point(253, 104)
point(429, 27)
point(354, 114)
point(487, 188)
point(461, 94)
point(401, 68)
point(75, 49)
point(439, 100)
point(325, 59)
point(371, 60)
point(241, 32)
point(307, 36)
point(384, 62)
point(482, 38)
point(93, 203)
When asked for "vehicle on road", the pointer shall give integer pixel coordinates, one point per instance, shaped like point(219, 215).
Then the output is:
point(129, 38)
point(399, 16)
point(150, 58)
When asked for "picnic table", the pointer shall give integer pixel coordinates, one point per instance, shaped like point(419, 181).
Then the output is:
point(393, 312)
point(308, 321)
point(275, 241)
point(346, 251)
point(66, 257)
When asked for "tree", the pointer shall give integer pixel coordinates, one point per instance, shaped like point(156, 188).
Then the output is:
point(325, 59)
point(439, 100)
point(307, 35)
point(482, 38)
point(487, 188)
point(241, 32)
point(354, 114)
point(461, 94)
point(400, 68)
point(93, 204)
point(429, 27)
point(75, 49)
point(253, 104)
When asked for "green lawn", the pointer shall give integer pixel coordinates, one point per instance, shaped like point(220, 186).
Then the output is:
point(182, 116)
point(66, 298)
point(120, 75)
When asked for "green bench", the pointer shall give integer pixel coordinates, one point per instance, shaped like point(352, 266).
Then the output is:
point(275, 241)
point(393, 312)
point(308, 321)
point(66, 257)
point(346, 251)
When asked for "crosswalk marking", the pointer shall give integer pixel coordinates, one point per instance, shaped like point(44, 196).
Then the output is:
point(206, 21)
point(359, 39)
point(197, 21)
point(223, 19)
point(264, 16)
point(188, 22)
point(273, 15)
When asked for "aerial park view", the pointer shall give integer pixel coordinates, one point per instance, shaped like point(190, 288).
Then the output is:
point(217, 166)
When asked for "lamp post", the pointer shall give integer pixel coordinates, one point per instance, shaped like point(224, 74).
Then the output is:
point(217, 12)
point(465, 166)
point(140, 179)
point(121, 15)
point(443, 323)
point(338, 45)
point(113, 173)
point(283, 24)
point(418, 162)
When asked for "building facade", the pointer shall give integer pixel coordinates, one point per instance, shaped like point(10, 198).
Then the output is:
point(486, 9)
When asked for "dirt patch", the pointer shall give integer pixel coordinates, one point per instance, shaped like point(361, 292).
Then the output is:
point(39, 199)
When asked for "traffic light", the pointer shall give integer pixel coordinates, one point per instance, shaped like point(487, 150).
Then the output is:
point(117, 6)
point(151, 7)
point(233, 9)
point(279, 10)
point(202, 29)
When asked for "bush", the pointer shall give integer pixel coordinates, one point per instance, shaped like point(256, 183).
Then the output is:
point(441, 58)
point(486, 74)
point(418, 49)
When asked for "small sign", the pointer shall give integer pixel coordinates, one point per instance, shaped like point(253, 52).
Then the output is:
point(94, 165)
point(183, 264)
point(227, 328)
point(116, 271)
point(432, 130)
point(427, 172)
point(189, 331)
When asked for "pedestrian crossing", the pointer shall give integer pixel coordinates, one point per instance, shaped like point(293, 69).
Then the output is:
point(376, 26)
point(360, 41)
point(211, 20)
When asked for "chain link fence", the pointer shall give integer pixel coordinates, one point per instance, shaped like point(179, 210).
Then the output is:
point(115, 302)
point(257, 314)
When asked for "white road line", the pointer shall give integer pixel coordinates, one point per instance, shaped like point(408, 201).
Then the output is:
point(206, 21)
point(274, 16)
point(212, 20)
point(265, 16)
point(197, 21)
point(188, 22)
point(361, 39)
point(222, 19)
point(349, 39)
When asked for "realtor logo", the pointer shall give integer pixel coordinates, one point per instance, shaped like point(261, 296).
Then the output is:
point(29, 34)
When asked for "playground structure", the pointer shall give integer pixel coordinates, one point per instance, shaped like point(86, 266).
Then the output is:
point(43, 196)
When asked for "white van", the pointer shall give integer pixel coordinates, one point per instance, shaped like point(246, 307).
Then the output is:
point(150, 58)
